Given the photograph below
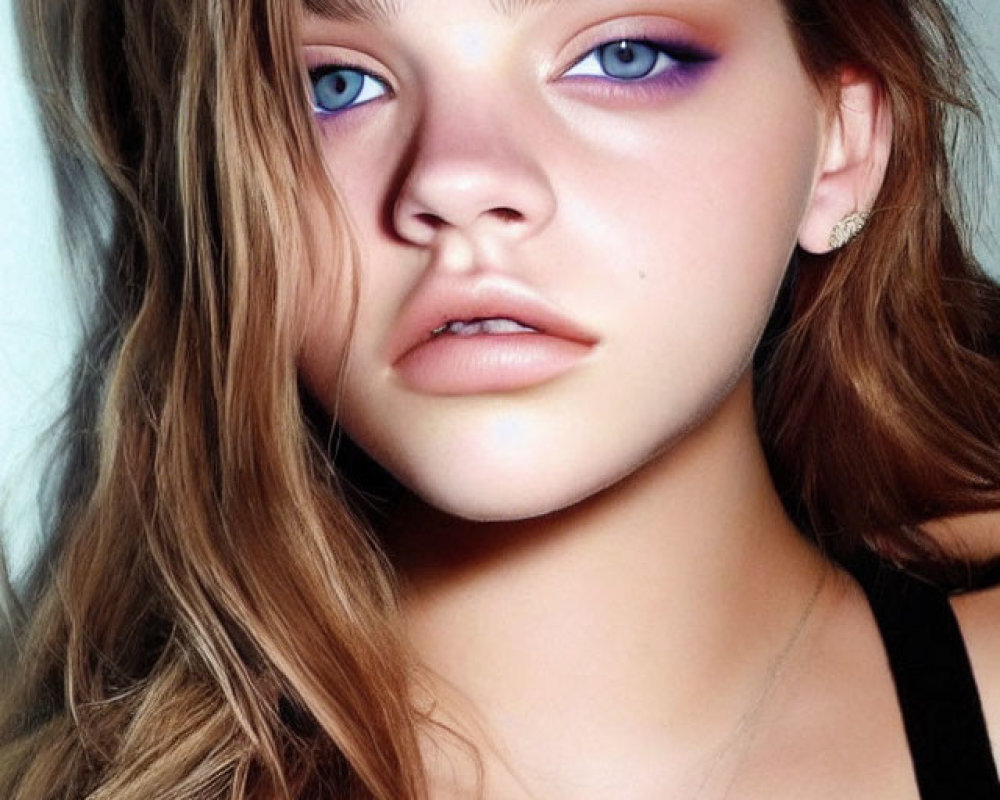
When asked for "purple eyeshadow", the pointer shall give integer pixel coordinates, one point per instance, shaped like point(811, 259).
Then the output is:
point(688, 63)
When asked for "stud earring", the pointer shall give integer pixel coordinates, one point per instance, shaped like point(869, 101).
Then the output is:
point(847, 229)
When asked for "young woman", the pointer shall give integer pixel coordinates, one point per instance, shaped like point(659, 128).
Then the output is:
point(483, 395)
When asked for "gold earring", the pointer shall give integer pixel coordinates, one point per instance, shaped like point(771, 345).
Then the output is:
point(847, 229)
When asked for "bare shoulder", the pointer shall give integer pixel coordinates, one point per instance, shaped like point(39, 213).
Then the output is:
point(979, 617)
point(973, 535)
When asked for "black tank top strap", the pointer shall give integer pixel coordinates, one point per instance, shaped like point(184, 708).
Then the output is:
point(937, 692)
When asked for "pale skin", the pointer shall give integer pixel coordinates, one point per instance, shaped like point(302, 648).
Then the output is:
point(597, 571)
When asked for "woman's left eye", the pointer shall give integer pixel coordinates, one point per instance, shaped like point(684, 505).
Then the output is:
point(633, 60)
point(337, 88)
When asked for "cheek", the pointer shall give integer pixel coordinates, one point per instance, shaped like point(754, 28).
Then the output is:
point(697, 235)
point(704, 214)
point(679, 248)
point(357, 299)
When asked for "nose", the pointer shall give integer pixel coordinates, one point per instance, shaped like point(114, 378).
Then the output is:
point(471, 171)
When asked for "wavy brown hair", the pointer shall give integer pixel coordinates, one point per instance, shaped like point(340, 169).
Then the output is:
point(879, 404)
point(211, 620)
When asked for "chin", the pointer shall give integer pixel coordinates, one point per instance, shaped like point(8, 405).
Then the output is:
point(505, 497)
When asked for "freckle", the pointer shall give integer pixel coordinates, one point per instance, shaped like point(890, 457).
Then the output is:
point(642, 275)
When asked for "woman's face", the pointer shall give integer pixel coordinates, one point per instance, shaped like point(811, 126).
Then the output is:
point(619, 184)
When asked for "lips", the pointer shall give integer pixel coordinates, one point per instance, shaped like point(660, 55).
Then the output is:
point(489, 333)
point(442, 303)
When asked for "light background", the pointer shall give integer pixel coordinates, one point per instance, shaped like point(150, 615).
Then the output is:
point(37, 313)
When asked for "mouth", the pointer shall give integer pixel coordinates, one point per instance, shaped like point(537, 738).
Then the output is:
point(488, 334)
point(491, 305)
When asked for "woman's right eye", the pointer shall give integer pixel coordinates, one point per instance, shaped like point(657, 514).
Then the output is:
point(337, 88)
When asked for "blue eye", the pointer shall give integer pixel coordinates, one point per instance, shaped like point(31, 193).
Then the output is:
point(337, 88)
point(634, 60)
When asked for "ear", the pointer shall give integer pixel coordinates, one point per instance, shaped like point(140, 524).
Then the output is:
point(853, 159)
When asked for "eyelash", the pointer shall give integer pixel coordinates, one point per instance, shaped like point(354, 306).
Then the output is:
point(675, 65)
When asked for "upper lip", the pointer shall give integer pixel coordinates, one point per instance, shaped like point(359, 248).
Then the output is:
point(486, 297)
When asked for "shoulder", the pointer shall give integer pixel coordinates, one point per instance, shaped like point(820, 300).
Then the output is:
point(974, 536)
point(978, 616)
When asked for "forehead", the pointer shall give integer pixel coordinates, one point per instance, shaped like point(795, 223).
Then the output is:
point(386, 10)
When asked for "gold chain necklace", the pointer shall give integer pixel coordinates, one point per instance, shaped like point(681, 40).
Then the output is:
point(742, 733)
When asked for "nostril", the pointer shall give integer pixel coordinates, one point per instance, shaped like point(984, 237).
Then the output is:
point(505, 214)
point(501, 213)
point(432, 221)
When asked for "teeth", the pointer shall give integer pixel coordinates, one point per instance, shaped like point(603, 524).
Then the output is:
point(506, 326)
point(479, 326)
point(465, 328)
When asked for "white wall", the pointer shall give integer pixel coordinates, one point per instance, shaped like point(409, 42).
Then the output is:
point(37, 320)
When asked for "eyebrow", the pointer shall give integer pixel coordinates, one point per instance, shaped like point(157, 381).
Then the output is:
point(384, 11)
point(353, 10)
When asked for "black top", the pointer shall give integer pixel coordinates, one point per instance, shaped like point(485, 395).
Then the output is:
point(940, 704)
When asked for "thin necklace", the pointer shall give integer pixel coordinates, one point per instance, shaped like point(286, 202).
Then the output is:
point(743, 730)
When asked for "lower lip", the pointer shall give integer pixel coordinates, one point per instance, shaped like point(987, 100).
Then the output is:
point(456, 365)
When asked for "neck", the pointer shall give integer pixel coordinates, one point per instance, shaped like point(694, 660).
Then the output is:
point(641, 619)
